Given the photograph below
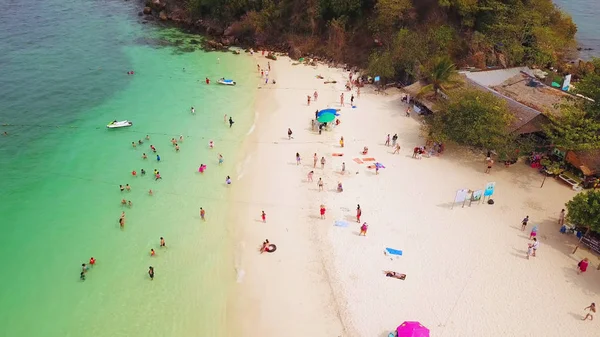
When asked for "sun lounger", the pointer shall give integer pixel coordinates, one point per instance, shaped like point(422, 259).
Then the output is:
point(393, 251)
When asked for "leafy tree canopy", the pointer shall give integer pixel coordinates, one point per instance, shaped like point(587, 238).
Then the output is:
point(584, 210)
point(474, 118)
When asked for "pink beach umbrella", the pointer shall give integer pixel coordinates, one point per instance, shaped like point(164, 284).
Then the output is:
point(412, 329)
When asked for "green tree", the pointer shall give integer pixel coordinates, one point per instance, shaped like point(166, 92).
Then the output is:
point(573, 129)
point(441, 76)
point(381, 64)
point(584, 210)
point(474, 118)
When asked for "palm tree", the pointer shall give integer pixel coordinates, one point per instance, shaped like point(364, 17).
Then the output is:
point(442, 76)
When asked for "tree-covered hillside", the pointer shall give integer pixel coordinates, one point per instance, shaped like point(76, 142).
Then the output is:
point(399, 34)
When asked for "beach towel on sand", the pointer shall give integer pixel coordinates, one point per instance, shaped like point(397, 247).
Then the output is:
point(338, 154)
point(393, 251)
point(368, 159)
point(357, 160)
point(341, 223)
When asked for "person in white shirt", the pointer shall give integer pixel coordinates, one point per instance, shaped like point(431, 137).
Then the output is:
point(532, 248)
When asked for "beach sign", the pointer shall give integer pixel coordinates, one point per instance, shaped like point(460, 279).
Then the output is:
point(489, 189)
point(476, 196)
point(461, 196)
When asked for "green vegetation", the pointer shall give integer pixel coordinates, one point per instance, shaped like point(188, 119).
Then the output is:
point(578, 125)
point(441, 77)
point(584, 210)
point(398, 37)
point(474, 118)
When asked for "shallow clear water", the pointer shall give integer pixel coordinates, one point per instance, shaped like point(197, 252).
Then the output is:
point(63, 78)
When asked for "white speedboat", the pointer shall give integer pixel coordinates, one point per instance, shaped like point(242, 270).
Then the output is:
point(226, 81)
point(119, 124)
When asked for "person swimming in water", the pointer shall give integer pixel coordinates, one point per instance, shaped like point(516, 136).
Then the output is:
point(143, 172)
point(82, 276)
point(228, 180)
point(162, 242)
point(128, 188)
point(157, 158)
point(220, 159)
point(152, 252)
point(144, 156)
point(121, 188)
point(150, 192)
point(147, 137)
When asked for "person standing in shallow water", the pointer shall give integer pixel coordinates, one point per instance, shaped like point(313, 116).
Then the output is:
point(151, 273)
point(231, 122)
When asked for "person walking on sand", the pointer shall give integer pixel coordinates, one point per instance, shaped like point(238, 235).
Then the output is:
point(322, 211)
point(358, 213)
point(397, 149)
point(297, 158)
point(394, 139)
point(387, 140)
point(583, 265)
point(358, 92)
point(561, 217)
point(534, 247)
point(351, 100)
point(263, 216)
point(408, 112)
point(315, 159)
point(363, 229)
point(489, 166)
point(524, 223)
point(322, 162)
point(316, 95)
point(533, 232)
point(590, 314)
point(342, 99)
point(202, 214)
point(290, 133)
point(343, 168)
point(320, 184)
point(308, 100)
point(342, 141)
point(309, 178)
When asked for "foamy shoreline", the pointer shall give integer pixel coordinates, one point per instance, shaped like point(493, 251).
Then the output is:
point(466, 272)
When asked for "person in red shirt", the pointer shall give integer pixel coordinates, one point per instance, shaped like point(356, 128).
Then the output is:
point(582, 265)
point(92, 261)
point(207, 81)
point(358, 213)
point(322, 210)
point(263, 216)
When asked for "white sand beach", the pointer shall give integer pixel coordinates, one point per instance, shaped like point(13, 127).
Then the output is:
point(467, 272)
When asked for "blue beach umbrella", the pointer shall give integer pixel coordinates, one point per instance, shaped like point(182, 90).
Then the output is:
point(328, 111)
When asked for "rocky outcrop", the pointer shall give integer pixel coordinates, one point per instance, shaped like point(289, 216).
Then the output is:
point(501, 59)
point(162, 16)
point(294, 53)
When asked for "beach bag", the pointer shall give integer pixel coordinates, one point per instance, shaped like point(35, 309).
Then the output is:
point(490, 202)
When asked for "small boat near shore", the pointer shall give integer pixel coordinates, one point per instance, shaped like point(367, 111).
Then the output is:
point(226, 81)
point(119, 124)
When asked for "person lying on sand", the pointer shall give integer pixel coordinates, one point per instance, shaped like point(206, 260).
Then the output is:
point(393, 274)
point(267, 247)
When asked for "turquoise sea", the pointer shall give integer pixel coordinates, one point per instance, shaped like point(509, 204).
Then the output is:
point(63, 77)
